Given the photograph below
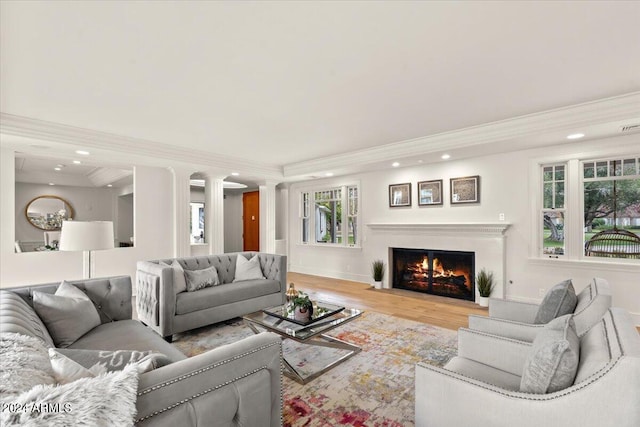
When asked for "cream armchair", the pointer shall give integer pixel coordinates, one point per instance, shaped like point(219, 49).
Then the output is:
point(514, 319)
point(481, 386)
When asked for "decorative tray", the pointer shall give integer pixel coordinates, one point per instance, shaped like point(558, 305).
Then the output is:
point(320, 311)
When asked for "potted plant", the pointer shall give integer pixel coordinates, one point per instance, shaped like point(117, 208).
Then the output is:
point(484, 282)
point(302, 307)
point(377, 270)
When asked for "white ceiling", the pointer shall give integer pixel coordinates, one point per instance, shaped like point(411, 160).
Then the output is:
point(284, 83)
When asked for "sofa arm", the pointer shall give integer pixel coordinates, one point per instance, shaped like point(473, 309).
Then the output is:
point(274, 267)
point(236, 384)
point(498, 352)
point(446, 398)
point(155, 297)
point(504, 328)
point(512, 310)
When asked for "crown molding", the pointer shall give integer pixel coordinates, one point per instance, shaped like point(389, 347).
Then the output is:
point(90, 139)
point(590, 113)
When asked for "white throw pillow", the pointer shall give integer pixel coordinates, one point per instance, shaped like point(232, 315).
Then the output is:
point(248, 269)
point(68, 314)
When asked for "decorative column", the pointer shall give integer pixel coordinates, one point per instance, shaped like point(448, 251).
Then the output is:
point(214, 212)
point(267, 216)
point(181, 201)
point(282, 218)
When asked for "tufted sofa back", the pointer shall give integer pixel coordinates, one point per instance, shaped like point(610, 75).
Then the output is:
point(110, 295)
point(226, 264)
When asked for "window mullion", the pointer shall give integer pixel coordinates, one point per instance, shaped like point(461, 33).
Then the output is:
point(574, 207)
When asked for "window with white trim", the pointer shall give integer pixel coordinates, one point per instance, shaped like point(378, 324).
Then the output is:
point(553, 209)
point(581, 198)
point(330, 216)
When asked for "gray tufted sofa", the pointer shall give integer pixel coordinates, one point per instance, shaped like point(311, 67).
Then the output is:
point(168, 313)
point(232, 385)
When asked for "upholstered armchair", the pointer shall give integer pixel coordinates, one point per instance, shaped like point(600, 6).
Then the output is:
point(514, 319)
point(483, 385)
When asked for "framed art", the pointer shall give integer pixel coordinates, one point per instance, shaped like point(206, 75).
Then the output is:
point(400, 195)
point(465, 189)
point(430, 193)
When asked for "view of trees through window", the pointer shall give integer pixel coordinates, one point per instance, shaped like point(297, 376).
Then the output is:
point(611, 203)
point(330, 209)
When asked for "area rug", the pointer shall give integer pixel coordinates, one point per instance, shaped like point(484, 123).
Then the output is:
point(374, 388)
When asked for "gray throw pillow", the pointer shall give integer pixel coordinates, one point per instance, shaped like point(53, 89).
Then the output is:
point(179, 281)
point(68, 314)
point(113, 360)
point(199, 279)
point(552, 363)
point(248, 269)
point(560, 300)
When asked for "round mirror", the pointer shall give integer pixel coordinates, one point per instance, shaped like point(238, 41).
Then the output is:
point(48, 212)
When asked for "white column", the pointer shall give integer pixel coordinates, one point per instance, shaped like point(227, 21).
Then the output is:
point(214, 213)
point(267, 216)
point(282, 216)
point(181, 200)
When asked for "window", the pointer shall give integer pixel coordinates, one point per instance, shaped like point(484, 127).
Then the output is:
point(324, 212)
point(553, 213)
point(611, 207)
point(590, 208)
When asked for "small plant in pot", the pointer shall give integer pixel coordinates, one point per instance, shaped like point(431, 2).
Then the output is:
point(302, 307)
point(484, 282)
point(377, 270)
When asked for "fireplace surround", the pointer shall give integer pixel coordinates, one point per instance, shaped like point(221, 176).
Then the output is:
point(434, 271)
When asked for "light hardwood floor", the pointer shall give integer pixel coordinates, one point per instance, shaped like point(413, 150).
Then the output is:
point(440, 311)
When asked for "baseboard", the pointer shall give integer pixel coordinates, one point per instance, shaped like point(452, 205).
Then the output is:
point(335, 274)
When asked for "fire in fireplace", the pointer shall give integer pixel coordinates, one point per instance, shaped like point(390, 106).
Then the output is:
point(437, 272)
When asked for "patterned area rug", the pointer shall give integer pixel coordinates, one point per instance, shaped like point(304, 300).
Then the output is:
point(373, 388)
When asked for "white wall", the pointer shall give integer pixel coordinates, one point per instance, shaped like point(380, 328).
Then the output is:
point(504, 189)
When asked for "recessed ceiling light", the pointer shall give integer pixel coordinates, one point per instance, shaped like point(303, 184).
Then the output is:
point(76, 162)
point(235, 173)
point(395, 164)
point(109, 185)
point(445, 156)
point(328, 174)
point(82, 152)
point(575, 136)
point(51, 183)
point(420, 161)
point(57, 168)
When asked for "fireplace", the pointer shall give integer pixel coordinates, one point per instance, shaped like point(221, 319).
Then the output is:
point(436, 272)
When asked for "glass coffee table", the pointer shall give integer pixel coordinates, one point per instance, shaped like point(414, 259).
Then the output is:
point(280, 320)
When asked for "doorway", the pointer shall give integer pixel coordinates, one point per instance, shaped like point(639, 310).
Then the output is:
point(251, 221)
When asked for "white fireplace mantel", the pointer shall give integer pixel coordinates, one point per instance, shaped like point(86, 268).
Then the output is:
point(496, 229)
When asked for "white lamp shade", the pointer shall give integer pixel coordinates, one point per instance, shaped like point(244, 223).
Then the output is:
point(86, 235)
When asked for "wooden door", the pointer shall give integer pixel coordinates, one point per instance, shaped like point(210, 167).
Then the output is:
point(251, 221)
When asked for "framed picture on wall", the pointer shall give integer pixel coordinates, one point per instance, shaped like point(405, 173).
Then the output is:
point(465, 189)
point(430, 193)
point(400, 195)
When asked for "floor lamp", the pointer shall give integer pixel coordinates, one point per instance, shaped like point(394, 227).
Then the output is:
point(86, 236)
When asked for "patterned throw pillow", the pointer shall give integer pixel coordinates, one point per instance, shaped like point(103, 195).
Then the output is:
point(560, 300)
point(113, 360)
point(199, 279)
point(552, 363)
